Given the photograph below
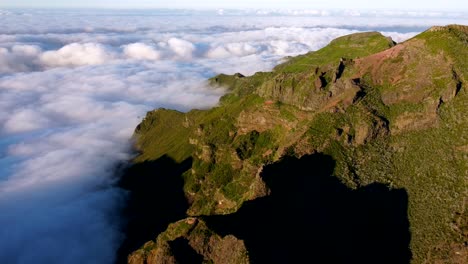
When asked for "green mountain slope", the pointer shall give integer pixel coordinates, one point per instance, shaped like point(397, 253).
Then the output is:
point(393, 115)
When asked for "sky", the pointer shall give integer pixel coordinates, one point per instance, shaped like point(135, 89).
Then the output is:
point(358, 4)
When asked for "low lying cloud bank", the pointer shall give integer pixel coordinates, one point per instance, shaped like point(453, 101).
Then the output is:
point(74, 86)
point(277, 42)
point(63, 131)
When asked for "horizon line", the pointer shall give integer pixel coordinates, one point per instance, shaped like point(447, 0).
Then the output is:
point(451, 9)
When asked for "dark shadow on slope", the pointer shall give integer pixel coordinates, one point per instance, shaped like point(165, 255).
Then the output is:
point(311, 217)
point(184, 253)
point(156, 200)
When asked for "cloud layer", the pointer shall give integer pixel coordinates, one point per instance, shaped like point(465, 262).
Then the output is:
point(74, 86)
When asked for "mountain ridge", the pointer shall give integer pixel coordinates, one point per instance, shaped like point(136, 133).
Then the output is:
point(385, 113)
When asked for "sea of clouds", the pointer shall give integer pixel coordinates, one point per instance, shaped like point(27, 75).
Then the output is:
point(75, 83)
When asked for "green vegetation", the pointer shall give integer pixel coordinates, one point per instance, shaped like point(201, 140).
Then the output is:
point(452, 40)
point(162, 133)
point(351, 46)
point(253, 144)
point(398, 118)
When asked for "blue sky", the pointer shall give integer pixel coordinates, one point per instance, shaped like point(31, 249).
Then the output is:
point(393, 4)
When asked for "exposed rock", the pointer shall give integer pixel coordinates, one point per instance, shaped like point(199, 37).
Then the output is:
point(238, 75)
point(193, 234)
point(320, 82)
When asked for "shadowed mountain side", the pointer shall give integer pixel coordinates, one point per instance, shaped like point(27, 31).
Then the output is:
point(311, 217)
point(156, 199)
point(183, 252)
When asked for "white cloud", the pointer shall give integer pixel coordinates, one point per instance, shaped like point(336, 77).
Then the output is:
point(241, 49)
point(231, 49)
point(18, 58)
point(400, 37)
point(25, 120)
point(77, 54)
point(141, 51)
point(26, 50)
point(218, 52)
point(182, 48)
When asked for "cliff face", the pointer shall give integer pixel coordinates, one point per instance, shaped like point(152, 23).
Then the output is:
point(355, 152)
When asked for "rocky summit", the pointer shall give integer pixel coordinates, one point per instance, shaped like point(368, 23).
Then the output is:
point(355, 153)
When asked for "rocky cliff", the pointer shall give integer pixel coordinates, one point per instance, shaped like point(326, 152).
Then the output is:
point(356, 153)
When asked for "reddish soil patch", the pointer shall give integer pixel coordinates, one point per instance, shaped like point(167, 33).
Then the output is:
point(374, 62)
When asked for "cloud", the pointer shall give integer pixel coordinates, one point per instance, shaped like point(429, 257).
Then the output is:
point(25, 120)
point(60, 192)
point(399, 37)
point(182, 48)
point(232, 49)
point(74, 86)
point(141, 51)
point(18, 58)
point(77, 54)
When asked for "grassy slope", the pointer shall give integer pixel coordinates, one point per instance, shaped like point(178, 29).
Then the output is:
point(378, 138)
point(162, 133)
point(350, 46)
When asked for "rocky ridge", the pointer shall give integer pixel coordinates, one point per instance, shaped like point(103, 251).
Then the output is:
point(378, 112)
